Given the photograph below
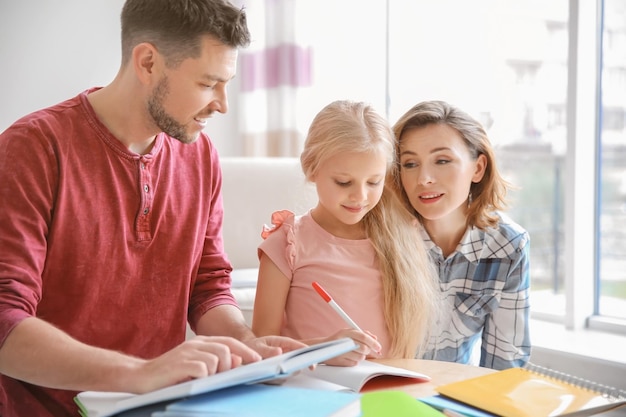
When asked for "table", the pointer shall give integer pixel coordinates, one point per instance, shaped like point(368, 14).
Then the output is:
point(439, 372)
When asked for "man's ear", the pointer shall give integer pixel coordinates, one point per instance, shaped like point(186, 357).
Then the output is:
point(145, 62)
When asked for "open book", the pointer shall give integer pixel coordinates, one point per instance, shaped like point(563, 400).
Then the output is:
point(316, 393)
point(103, 404)
point(352, 378)
point(534, 391)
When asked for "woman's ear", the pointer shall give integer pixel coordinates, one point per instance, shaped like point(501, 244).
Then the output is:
point(481, 167)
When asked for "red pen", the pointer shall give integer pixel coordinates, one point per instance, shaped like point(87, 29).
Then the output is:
point(322, 292)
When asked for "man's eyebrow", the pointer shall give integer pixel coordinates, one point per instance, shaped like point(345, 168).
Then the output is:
point(211, 77)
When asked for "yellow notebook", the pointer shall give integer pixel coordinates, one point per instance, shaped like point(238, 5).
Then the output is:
point(534, 391)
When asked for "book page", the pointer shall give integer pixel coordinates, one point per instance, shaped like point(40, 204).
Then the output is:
point(304, 380)
point(355, 377)
point(301, 358)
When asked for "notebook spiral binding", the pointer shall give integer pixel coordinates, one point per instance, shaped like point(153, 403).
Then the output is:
point(612, 393)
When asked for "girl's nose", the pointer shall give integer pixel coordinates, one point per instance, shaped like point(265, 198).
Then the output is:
point(359, 193)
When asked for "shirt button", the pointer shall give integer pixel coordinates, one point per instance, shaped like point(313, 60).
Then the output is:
point(145, 211)
point(145, 188)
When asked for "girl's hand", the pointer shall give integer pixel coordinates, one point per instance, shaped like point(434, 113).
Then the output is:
point(368, 347)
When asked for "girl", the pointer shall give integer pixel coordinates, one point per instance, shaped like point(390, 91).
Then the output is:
point(358, 242)
point(449, 179)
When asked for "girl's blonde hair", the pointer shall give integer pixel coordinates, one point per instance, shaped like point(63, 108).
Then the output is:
point(488, 195)
point(409, 281)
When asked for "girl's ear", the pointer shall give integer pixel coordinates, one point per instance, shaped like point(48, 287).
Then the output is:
point(481, 167)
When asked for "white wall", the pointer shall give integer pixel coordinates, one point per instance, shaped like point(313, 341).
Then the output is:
point(53, 50)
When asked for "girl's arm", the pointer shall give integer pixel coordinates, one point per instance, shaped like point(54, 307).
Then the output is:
point(271, 296)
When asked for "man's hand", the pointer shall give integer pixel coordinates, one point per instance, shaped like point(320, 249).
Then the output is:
point(268, 346)
point(195, 358)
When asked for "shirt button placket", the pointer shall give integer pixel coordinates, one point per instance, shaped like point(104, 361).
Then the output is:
point(146, 190)
point(143, 223)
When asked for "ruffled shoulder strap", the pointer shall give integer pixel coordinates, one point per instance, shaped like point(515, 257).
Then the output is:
point(278, 218)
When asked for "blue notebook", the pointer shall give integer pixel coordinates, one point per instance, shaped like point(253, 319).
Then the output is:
point(259, 400)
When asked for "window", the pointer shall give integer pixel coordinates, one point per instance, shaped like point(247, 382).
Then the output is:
point(512, 65)
point(612, 165)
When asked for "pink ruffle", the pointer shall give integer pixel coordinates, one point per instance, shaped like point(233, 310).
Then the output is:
point(278, 218)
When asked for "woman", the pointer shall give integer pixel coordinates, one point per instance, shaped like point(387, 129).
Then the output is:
point(449, 179)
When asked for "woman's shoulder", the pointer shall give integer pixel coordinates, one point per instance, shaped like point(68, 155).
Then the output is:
point(507, 225)
point(509, 230)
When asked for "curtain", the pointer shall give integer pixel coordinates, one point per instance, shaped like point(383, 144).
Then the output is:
point(275, 73)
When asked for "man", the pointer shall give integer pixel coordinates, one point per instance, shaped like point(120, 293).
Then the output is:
point(110, 223)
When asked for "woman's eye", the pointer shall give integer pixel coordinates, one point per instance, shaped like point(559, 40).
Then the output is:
point(342, 184)
point(409, 165)
point(442, 161)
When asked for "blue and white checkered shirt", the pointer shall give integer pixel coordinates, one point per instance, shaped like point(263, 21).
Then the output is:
point(485, 285)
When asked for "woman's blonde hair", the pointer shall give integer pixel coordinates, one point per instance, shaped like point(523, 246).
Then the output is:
point(409, 281)
point(488, 195)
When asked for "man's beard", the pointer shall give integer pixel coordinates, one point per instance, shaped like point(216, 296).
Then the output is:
point(164, 121)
